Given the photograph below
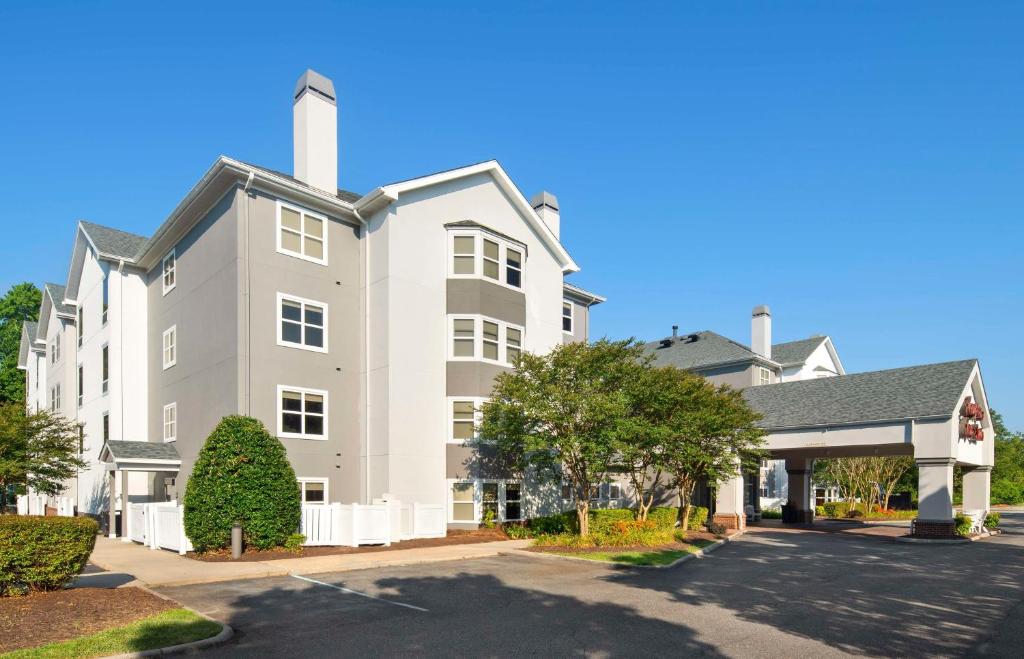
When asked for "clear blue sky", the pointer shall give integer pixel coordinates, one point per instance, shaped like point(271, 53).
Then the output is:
point(857, 166)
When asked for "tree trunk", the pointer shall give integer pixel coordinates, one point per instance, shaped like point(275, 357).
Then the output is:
point(583, 515)
point(684, 509)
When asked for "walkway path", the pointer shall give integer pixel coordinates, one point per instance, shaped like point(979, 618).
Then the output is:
point(156, 567)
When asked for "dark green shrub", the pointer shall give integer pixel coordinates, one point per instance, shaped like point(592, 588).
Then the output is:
point(819, 511)
point(853, 513)
point(554, 524)
point(698, 516)
point(963, 524)
point(771, 513)
point(242, 474)
point(716, 528)
point(991, 520)
point(833, 509)
point(516, 531)
point(294, 542)
point(43, 553)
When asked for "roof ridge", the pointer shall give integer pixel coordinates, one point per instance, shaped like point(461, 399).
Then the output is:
point(848, 376)
point(89, 223)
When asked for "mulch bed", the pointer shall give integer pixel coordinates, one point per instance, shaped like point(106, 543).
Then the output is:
point(675, 546)
point(40, 618)
point(454, 537)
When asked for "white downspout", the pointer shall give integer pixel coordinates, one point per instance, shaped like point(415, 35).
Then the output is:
point(246, 303)
point(366, 354)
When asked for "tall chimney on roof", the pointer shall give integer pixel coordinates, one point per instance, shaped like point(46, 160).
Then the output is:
point(315, 131)
point(761, 331)
point(546, 205)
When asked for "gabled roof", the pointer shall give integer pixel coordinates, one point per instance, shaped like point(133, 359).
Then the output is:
point(796, 352)
point(914, 392)
point(113, 243)
point(386, 194)
point(141, 456)
point(28, 343)
point(345, 195)
point(702, 350)
point(57, 293)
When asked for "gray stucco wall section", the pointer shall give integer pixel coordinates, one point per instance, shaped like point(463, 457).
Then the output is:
point(337, 371)
point(580, 323)
point(470, 462)
point(472, 378)
point(477, 296)
point(738, 376)
point(204, 307)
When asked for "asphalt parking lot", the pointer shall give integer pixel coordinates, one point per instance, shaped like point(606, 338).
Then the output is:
point(772, 593)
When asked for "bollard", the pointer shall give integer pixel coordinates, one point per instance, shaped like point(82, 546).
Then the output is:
point(236, 541)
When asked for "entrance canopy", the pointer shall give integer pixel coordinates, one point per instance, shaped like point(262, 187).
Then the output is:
point(140, 456)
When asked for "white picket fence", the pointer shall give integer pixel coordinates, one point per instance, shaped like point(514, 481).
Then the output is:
point(31, 504)
point(377, 524)
point(161, 525)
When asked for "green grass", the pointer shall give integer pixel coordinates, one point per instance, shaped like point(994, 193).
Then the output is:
point(653, 557)
point(164, 629)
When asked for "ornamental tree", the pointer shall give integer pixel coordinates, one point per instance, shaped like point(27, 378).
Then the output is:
point(562, 414)
point(242, 474)
point(38, 450)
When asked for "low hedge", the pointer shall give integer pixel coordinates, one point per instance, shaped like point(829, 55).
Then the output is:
point(43, 553)
point(615, 527)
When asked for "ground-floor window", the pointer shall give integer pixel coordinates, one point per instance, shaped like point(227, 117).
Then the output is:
point(472, 500)
point(314, 490)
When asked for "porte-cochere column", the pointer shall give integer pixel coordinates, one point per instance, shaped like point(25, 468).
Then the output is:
point(935, 497)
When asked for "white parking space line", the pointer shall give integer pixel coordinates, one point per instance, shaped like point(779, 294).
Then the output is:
point(356, 592)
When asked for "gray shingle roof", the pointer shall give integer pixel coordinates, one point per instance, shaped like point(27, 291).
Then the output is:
point(142, 451)
point(582, 293)
point(796, 352)
point(30, 329)
point(700, 350)
point(344, 195)
point(901, 393)
point(56, 292)
point(114, 242)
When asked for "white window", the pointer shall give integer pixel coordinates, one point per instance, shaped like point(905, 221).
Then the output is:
point(105, 365)
point(106, 297)
point(81, 384)
point(55, 398)
point(301, 413)
point(106, 426)
point(484, 339)
point(465, 415)
point(55, 350)
point(463, 507)
point(314, 490)
point(567, 316)
point(513, 502)
point(170, 272)
point(170, 346)
point(614, 491)
point(170, 422)
point(764, 375)
point(301, 233)
point(81, 325)
point(301, 323)
point(479, 253)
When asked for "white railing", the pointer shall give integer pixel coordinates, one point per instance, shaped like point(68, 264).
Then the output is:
point(377, 524)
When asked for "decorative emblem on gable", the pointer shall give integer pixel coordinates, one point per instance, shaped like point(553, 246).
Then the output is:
point(971, 416)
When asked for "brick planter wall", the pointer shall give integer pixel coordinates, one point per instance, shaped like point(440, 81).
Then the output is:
point(927, 529)
point(731, 521)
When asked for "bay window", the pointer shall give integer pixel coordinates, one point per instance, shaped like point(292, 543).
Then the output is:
point(483, 254)
point(484, 339)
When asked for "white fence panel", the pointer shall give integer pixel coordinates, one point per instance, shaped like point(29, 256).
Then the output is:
point(407, 528)
point(169, 527)
point(31, 504)
point(65, 506)
point(372, 524)
point(318, 525)
point(429, 521)
point(137, 525)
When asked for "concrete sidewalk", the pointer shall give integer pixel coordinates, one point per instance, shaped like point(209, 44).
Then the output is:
point(163, 568)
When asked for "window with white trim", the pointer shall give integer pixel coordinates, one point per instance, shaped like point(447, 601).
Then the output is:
point(55, 398)
point(105, 369)
point(55, 350)
point(463, 502)
point(764, 375)
point(301, 233)
point(469, 501)
point(513, 496)
point(106, 426)
point(465, 416)
point(567, 313)
point(484, 339)
point(169, 269)
point(301, 413)
point(170, 422)
point(313, 490)
point(614, 491)
point(481, 254)
point(81, 384)
point(170, 346)
point(106, 297)
point(301, 323)
point(80, 325)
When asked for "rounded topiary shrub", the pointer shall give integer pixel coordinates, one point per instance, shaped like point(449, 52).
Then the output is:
point(242, 474)
point(43, 553)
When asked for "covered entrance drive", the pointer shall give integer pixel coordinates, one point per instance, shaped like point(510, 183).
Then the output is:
point(937, 413)
point(123, 458)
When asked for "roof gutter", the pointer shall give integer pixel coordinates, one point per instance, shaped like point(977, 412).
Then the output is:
point(847, 424)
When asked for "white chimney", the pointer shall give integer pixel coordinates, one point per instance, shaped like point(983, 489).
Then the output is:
point(546, 205)
point(315, 115)
point(761, 331)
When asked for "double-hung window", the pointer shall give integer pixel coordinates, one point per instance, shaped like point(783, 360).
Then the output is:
point(80, 324)
point(301, 323)
point(485, 339)
point(55, 350)
point(463, 502)
point(106, 426)
point(764, 376)
point(314, 490)
point(171, 422)
point(466, 414)
point(170, 272)
point(105, 366)
point(301, 413)
point(482, 254)
point(106, 297)
point(55, 398)
point(170, 346)
point(301, 233)
point(567, 316)
point(81, 384)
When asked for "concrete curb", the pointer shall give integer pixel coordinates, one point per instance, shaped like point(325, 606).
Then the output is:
point(948, 541)
point(221, 637)
point(700, 553)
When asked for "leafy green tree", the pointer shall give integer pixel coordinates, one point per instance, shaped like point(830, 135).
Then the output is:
point(710, 434)
point(1008, 471)
point(21, 303)
point(38, 450)
point(242, 474)
point(561, 414)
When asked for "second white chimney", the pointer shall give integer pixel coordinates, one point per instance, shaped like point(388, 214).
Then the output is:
point(546, 205)
point(761, 331)
point(315, 131)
